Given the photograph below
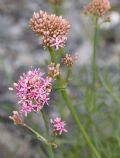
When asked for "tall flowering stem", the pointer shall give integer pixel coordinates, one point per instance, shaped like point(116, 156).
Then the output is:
point(72, 110)
point(94, 65)
point(53, 31)
point(98, 9)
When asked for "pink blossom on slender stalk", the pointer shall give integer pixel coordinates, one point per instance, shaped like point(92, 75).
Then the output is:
point(33, 91)
point(58, 125)
point(97, 7)
point(51, 28)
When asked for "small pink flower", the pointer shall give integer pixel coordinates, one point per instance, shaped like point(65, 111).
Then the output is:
point(33, 91)
point(58, 125)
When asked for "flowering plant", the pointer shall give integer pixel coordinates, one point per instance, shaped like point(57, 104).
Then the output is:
point(34, 88)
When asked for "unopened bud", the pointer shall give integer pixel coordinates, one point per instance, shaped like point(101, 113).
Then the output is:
point(16, 117)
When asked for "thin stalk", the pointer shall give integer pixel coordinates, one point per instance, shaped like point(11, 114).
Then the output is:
point(41, 138)
point(55, 9)
point(47, 133)
point(45, 122)
point(68, 75)
point(72, 110)
point(52, 55)
point(94, 65)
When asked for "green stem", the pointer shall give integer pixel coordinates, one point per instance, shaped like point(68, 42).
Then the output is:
point(55, 9)
point(68, 75)
point(41, 138)
point(52, 55)
point(72, 110)
point(94, 67)
point(45, 122)
point(45, 119)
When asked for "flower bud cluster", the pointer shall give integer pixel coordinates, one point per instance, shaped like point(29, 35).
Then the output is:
point(68, 60)
point(16, 117)
point(53, 70)
point(51, 28)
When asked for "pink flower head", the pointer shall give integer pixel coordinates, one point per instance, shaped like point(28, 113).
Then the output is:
point(51, 28)
point(97, 7)
point(58, 125)
point(33, 91)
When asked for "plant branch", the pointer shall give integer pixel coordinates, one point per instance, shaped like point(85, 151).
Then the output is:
point(94, 65)
point(41, 138)
point(72, 110)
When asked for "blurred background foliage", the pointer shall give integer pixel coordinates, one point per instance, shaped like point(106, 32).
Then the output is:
point(20, 49)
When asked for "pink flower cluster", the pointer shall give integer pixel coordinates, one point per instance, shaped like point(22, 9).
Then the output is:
point(97, 7)
point(33, 91)
point(51, 28)
point(58, 125)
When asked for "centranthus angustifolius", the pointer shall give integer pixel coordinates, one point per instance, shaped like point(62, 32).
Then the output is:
point(33, 88)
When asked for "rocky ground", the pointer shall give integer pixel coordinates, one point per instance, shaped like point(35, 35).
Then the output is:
point(20, 49)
